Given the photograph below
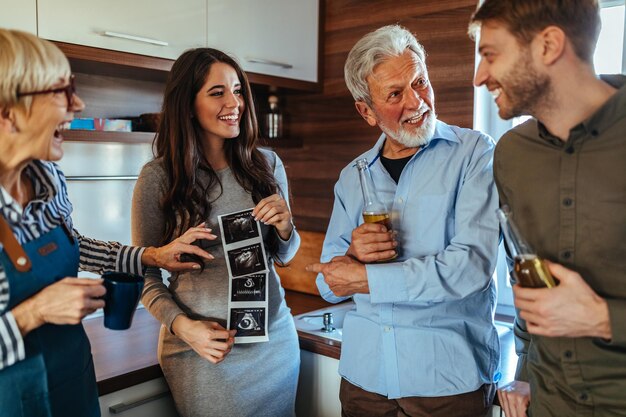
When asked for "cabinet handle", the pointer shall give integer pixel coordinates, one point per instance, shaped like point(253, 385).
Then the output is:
point(268, 62)
point(102, 178)
point(134, 38)
point(121, 407)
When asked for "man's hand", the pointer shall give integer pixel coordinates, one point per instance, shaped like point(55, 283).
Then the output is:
point(168, 256)
point(344, 275)
point(372, 242)
point(514, 398)
point(571, 309)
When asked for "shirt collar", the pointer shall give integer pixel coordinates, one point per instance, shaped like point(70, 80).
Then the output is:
point(609, 113)
point(44, 189)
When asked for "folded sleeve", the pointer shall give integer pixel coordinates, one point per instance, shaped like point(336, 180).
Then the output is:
point(287, 249)
point(465, 265)
point(336, 242)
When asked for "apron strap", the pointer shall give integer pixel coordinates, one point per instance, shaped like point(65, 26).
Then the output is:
point(14, 250)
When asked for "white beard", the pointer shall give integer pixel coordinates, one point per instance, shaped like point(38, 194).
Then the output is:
point(417, 138)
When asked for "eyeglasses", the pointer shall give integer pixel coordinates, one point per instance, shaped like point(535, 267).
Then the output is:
point(69, 91)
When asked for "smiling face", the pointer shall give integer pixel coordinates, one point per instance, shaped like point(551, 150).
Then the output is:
point(42, 126)
point(507, 69)
point(402, 100)
point(219, 105)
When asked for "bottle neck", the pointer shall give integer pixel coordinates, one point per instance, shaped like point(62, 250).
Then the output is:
point(371, 202)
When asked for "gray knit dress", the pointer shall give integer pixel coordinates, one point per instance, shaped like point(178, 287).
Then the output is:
point(257, 379)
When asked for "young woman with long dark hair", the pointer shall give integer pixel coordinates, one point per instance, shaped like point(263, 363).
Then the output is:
point(207, 164)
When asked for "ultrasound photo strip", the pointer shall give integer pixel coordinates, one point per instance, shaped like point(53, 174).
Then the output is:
point(248, 276)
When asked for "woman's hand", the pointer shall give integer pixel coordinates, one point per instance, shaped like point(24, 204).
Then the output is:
point(207, 338)
point(274, 211)
point(65, 302)
point(168, 256)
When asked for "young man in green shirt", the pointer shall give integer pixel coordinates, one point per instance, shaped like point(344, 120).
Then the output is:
point(563, 174)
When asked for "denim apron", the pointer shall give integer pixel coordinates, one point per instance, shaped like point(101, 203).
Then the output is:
point(57, 377)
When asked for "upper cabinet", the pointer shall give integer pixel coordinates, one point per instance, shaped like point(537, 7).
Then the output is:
point(276, 41)
point(161, 28)
point(19, 14)
point(270, 37)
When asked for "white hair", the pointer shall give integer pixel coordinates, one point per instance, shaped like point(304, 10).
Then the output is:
point(371, 50)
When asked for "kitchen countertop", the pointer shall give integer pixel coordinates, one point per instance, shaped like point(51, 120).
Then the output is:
point(126, 358)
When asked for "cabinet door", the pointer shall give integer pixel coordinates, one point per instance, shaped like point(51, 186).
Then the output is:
point(318, 386)
point(19, 14)
point(271, 37)
point(150, 398)
point(161, 28)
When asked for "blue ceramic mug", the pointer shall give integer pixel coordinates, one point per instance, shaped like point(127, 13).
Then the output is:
point(123, 294)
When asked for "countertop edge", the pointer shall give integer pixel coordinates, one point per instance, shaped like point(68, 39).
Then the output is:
point(111, 381)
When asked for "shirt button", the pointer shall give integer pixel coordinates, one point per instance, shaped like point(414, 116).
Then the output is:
point(570, 150)
point(387, 329)
point(568, 354)
point(583, 396)
point(567, 202)
point(594, 133)
point(400, 200)
point(566, 254)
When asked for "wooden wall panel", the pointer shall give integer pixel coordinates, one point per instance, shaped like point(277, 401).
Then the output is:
point(331, 130)
point(293, 276)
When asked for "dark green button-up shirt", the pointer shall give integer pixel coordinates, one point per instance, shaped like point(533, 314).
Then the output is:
point(569, 202)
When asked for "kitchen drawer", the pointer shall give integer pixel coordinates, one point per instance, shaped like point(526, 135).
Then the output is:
point(150, 398)
point(149, 27)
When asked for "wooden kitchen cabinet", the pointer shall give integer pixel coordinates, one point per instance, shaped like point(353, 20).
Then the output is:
point(272, 37)
point(151, 398)
point(160, 28)
point(19, 14)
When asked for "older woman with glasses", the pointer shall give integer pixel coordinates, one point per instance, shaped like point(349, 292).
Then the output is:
point(46, 367)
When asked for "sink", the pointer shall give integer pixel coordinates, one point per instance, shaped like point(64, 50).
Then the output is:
point(313, 321)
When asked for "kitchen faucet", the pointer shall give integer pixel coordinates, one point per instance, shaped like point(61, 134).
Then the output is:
point(327, 320)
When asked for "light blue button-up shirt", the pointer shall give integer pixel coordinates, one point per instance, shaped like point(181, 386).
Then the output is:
point(426, 328)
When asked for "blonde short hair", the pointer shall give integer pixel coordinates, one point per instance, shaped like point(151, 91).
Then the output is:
point(28, 63)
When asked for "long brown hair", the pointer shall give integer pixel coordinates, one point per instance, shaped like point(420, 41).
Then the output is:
point(179, 145)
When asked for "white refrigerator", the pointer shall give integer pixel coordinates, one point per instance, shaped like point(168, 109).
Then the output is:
point(100, 180)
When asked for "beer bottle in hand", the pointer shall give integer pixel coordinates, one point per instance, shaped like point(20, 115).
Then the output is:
point(528, 269)
point(374, 210)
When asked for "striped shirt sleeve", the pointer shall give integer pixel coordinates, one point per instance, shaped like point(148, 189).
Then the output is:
point(11, 342)
point(97, 256)
point(4, 289)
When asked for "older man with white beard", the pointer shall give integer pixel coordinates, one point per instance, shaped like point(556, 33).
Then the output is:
point(421, 340)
